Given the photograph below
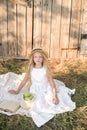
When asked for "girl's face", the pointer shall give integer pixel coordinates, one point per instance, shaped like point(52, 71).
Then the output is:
point(38, 59)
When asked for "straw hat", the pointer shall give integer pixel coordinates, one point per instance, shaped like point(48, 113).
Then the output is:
point(39, 50)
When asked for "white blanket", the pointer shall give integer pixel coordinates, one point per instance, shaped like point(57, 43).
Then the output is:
point(43, 109)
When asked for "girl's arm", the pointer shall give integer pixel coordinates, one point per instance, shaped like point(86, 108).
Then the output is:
point(52, 83)
point(24, 81)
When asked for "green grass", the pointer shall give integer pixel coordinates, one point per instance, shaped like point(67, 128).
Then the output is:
point(74, 76)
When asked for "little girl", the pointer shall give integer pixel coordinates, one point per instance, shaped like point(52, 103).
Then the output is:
point(39, 75)
point(51, 95)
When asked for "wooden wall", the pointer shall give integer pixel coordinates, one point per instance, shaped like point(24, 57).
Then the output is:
point(54, 25)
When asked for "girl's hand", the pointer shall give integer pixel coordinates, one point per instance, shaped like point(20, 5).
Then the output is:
point(55, 100)
point(13, 91)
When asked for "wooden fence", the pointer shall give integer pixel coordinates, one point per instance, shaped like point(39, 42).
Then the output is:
point(54, 25)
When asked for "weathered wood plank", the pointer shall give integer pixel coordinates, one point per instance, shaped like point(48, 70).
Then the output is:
point(65, 24)
point(4, 27)
point(46, 25)
point(37, 23)
point(74, 29)
point(12, 28)
point(83, 45)
point(21, 30)
point(1, 31)
point(55, 31)
point(29, 29)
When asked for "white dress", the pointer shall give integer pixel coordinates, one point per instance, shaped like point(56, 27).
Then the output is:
point(43, 108)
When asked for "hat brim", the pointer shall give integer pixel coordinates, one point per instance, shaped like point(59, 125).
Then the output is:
point(40, 51)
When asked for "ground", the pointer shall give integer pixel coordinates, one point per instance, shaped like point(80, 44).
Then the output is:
point(74, 74)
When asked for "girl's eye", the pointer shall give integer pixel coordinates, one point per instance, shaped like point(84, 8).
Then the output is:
point(38, 57)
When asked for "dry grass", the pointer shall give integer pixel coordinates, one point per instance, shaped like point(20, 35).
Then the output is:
point(74, 75)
